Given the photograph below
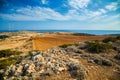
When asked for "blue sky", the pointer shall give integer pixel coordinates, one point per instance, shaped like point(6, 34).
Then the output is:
point(60, 14)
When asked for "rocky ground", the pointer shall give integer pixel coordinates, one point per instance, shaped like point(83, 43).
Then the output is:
point(70, 63)
point(66, 62)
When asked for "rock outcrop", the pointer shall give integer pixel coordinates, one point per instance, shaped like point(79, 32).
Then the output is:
point(50, 62)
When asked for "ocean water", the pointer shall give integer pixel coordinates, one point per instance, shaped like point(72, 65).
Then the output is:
point(95, 32)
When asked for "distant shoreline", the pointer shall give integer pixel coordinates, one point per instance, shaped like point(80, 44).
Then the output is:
point(85, 32)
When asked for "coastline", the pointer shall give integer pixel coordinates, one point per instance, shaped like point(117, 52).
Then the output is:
point(91, 32)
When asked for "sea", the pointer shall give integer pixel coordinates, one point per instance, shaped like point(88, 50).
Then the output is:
point(94, 32)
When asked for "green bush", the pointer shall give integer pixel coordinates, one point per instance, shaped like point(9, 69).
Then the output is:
point(8, 52)
point(102, 61)
point(97, 47)
point(65, 45)
point(118, 56)
point(118, 37)
point(110, 39)
point(7, 62)
point(3, 36)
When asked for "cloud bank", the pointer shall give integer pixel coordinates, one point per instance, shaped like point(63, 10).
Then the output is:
point(87, 11)
point(77, 10)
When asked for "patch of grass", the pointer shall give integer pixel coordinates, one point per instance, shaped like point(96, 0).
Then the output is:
point(8, 53)
point(118, 37)
point(111, 39)
point(7, 62)
point(65, 45)
point(97, 47)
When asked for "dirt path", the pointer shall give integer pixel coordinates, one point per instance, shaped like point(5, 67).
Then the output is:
point(97, 72)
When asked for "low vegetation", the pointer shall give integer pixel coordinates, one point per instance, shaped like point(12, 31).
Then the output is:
point(8, 53)
point(111, 39)
point(97, 47)
point(65, 45)
point(7, 62)
point(3, 36)
point(116, 46)
point(118, 37)
point(93, 46)
point(102, 61)
point(83, 34)
point(117, 56)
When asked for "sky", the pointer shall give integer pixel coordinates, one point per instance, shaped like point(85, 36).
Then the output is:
point(59, 14)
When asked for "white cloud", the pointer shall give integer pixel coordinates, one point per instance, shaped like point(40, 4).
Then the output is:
point(102, 11)
point(106, 19)
point(87, 14)
point(34, 13)
point(78, 11)
point(44, 1)
point(40, 13)
point(97, 13)
point(112, 18)
point(112, 6)
point(75, 15)
point(78, 3)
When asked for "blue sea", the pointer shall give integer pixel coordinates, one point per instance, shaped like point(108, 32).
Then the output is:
point(95, 32)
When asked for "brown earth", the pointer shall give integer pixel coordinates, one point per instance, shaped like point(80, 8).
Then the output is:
point(42, 41)
point(48, 41)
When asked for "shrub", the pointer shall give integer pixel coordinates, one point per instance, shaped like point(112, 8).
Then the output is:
point(116, 46)
point(8, 52)
point(110, 39)
point(3, 36)
point(118, 37)
point(7, 62)
point(65, 45)
point(117, 56)
point(102, 61)
point(76, 71)
point(97, 47)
